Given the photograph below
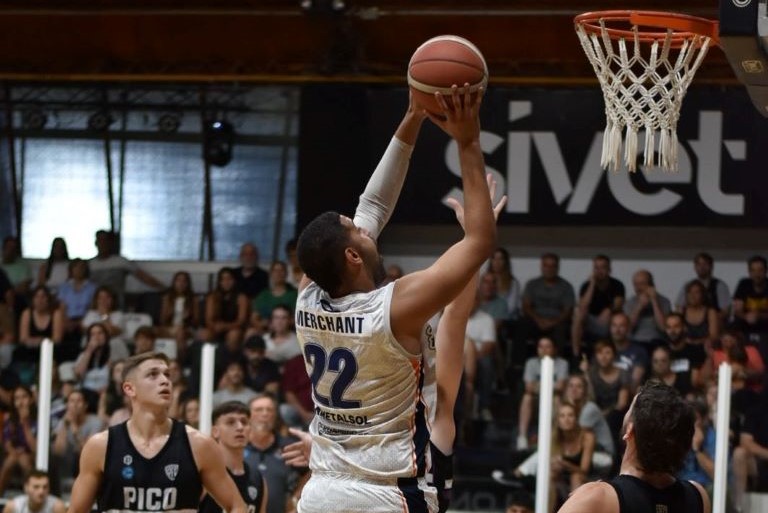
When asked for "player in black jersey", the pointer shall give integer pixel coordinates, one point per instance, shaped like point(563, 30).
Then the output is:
point(230, 426)
point(658, 429)
point(151, 462)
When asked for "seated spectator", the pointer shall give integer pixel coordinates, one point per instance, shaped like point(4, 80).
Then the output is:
point(40, 321)
point(279, 292)
point(661, 370)
point(609, 384)
point(92, 366)
point(144, 340)
point(647, 310)
point(630, 357)
point(520, 502)
point(532, 378)
point(251, 278)
point(701, 320)
point(226, 308)
point(298, 408)
point(573, 448)
point(7, 335)
point(261, 373)
point(190, 412)
point(72, 432)
point(112, 397)
point(507, 286)
point(754, 367)
point(180, 312)
point(19, 437)
point(231, 387)
point(295, 272)
point(718, 295)
point(281, 341)
point(16, 269)
point(489, 300)
point(481, 331)
point(577, 393)
point(599, 298)
point(687, 359)
point(76, 296)
point(179, 386)
point(54, 271)
point(752, 461)
point(109, 268)
point(750, 301)
point(257, 325)
point(104, 311)
point(36, 497)
point(548, 304)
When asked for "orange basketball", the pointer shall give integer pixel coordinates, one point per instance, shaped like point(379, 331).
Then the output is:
point(442, 62)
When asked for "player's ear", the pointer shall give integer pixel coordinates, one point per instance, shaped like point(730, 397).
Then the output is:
point(351, 255)
point(629, 432)
point(128, 388)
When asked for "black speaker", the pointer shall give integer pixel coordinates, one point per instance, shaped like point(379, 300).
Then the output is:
point(217, 144)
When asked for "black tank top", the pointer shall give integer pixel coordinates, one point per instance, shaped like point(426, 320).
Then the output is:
point(168, 482)
point(251, 487)
point(637, 496)
point(35, 331)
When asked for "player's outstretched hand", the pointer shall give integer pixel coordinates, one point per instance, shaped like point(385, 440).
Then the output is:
point(462, 116)
point(297, 453)
point(458, 208)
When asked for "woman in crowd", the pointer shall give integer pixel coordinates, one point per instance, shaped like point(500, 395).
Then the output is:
point(39, 321)
point(92, 366)
point(281, 341)
point(111, 399)
point(180, 312)
point(190, 412)
point(55, 270)
point(76, 297)
point(180, 389)
point(280, 292)
point(19, 436)
point(701, 320)
point(507, 285)
point(226, 308)
point(731, 345)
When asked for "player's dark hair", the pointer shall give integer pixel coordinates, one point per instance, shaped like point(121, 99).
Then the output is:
point(663, 426)
point(551, 256)
point(601, 343)
point(706, 257)
point(229, 407)
point(321, 250)
point(603, 257)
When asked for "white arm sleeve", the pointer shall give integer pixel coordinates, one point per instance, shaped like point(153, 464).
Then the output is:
point(380, 196)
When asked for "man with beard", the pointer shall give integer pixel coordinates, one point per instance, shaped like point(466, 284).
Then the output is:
point(630, 357)
point(658, 429)
point(363, 344)
point(36, 497)
point(688, 361)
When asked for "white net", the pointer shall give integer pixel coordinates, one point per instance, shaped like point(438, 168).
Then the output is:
point(642, 92)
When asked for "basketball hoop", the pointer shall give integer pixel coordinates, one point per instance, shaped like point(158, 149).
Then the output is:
point(644, 73)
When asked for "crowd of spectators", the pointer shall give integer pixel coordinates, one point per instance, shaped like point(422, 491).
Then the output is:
point(606, 343)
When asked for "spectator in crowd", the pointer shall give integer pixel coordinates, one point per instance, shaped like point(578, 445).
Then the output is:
point(226, 308)
point(231, 387)
point(70, 435)
point(109, 268)
point(298, 409)
point(481, 330)
point(687, 359)
point(577, 393)
point(610, 385)
point(267, 439)
point(731, 345)
point(647, 310)
point(282, 344)
point(16, 268)
point(699, 463)
point(279, 292)
point(661, 371)
point(261, 373)
point(548, 303)
point(41, 320)
point(180, 312)
point(630, 356)
point(54, 271)
point(295, 272)
point(92, 366)
point(76, 297)
point(702, 324)
point(717, 294)
point(251, 279)
point(144, 340)
point(599, 297)
point(7, 335)
point(7, 294)
point(190, 412)
point(750, 301)
point(257, 325)
point(490, 302)
point(104, 311)
point(36, 497)
point(507, 286)
point(573, 448)
point(112, 398)
point(19, 436)
point(752, 460)
point(179, 388)
point(532, 378)
point(520, 502)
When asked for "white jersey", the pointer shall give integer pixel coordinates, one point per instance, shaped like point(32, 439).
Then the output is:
point(370, 421)
point(21, 504)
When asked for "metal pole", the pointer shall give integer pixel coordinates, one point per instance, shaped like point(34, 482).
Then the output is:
point(206, 386)
point(44, 404)
point(546, 389)
point(11, 138)
point(722, 427)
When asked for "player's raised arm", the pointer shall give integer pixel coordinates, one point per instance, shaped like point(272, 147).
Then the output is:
point(88, 480)
point(420, 295)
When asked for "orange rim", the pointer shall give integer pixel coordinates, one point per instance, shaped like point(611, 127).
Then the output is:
point(683, 26)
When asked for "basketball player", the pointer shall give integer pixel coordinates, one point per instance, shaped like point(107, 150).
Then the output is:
point(658, 429)
point(36, 497)
point(363, 345)
point(231, 423)
point(151, 462)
